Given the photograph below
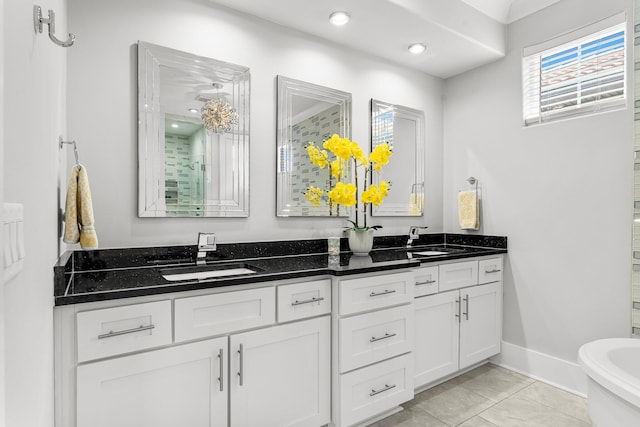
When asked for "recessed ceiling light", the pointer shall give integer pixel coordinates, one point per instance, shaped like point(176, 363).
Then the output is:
point(417, 48)
point(339, 18)
point(174, 125)
point(193, 110)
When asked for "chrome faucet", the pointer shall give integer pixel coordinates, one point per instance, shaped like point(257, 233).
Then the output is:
point(414, 233)
point(206, 243)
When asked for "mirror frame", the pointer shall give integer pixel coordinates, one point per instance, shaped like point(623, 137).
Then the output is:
point(151, 129)
point(287, 88)
point(417, 189)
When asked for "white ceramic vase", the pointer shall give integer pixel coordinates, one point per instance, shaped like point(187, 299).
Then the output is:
point(361, 242)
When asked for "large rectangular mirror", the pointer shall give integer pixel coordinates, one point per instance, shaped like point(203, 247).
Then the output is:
point(193, 135)
point(403, 129)
point(306, 113)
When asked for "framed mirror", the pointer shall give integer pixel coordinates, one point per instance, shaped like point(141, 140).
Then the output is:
point(193, 135)
point(306, 113)
point(403, 129)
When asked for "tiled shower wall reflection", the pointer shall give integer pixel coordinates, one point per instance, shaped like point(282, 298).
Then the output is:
point(317, 128)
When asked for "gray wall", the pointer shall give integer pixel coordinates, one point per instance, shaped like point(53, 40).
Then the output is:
point(104, 62)
point(34, 118)
point(560, 191)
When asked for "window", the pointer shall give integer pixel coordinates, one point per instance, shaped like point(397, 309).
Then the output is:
point(582, 76)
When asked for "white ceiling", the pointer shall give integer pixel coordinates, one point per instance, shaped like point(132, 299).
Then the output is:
point(459, 34)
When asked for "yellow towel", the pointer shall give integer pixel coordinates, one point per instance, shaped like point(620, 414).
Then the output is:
point(468, 212)
point(416, 204)
point(78, 221)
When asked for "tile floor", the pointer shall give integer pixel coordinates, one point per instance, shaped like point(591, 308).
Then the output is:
point(491, 396)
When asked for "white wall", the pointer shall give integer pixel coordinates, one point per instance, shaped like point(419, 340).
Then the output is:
point(561, 192)
point(102, 111)
point(34, 111)
point(2, 237)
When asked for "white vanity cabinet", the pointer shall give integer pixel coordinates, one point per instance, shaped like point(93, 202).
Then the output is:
point(198, 359)
point(174, 386)
point(372, 345)
point(280, 376)
point(455, 329)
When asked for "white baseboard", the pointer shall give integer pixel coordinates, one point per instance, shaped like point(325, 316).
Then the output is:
point(557, 372)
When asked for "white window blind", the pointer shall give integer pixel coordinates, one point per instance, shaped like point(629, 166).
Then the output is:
point(583, 76)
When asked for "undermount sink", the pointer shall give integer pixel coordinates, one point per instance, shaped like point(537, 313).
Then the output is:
point(207, 271)
point(429, 253)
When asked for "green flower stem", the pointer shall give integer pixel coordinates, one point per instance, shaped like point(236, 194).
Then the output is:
point(355, 172)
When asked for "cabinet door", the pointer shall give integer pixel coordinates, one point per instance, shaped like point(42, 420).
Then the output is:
point(280, 376)
point(179, 386)
point(436, 336)
point(481, 324)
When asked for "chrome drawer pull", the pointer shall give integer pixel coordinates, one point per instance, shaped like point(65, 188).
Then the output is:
point(495, 270)
point(386, 292)
point(382, 390)
point(426, 282)
point(126, 331)
point(466, 313)
point(386, 335)
point(221, 377)
point(458, 305)
point(241, 370)
point(314, 299)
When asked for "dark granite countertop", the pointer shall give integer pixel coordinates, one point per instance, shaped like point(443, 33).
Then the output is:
point(105, 274)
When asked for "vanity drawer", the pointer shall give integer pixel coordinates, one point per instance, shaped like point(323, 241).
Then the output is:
point(375, 389)
point(490, 270)
point(372, 337)
point(370, 293)
point(118, 330)
point(426, 281)
point(216, 314)
point(457, 275)
point(302, 300)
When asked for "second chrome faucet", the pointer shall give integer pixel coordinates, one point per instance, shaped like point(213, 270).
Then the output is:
point(414, 233)
point(206, 243)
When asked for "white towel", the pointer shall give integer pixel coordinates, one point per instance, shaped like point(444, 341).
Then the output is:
point(468, 212)
point(79, 222)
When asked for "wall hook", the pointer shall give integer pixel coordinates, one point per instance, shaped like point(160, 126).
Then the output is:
point(39, 20)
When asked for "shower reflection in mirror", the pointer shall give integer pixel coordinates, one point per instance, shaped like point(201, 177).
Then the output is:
point(306, 113)
point(193, 135)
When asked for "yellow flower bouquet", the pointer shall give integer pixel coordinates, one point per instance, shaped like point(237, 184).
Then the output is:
point(336, 155)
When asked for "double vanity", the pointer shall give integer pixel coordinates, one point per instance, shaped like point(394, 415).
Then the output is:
point(269, 333)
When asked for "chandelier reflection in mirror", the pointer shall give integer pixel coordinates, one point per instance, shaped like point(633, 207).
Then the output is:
point(218, 115)
point(193, 140)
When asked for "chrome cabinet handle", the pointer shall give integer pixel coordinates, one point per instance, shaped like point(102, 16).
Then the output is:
point(495, 270)
point(221, 377)
point(386, 292)
point(314, 299)
point(241, 370)
point(426, 282)
point(111, 334)
point(458, 308)
point(382, 390)
point(386, 335)
point(466, 307)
